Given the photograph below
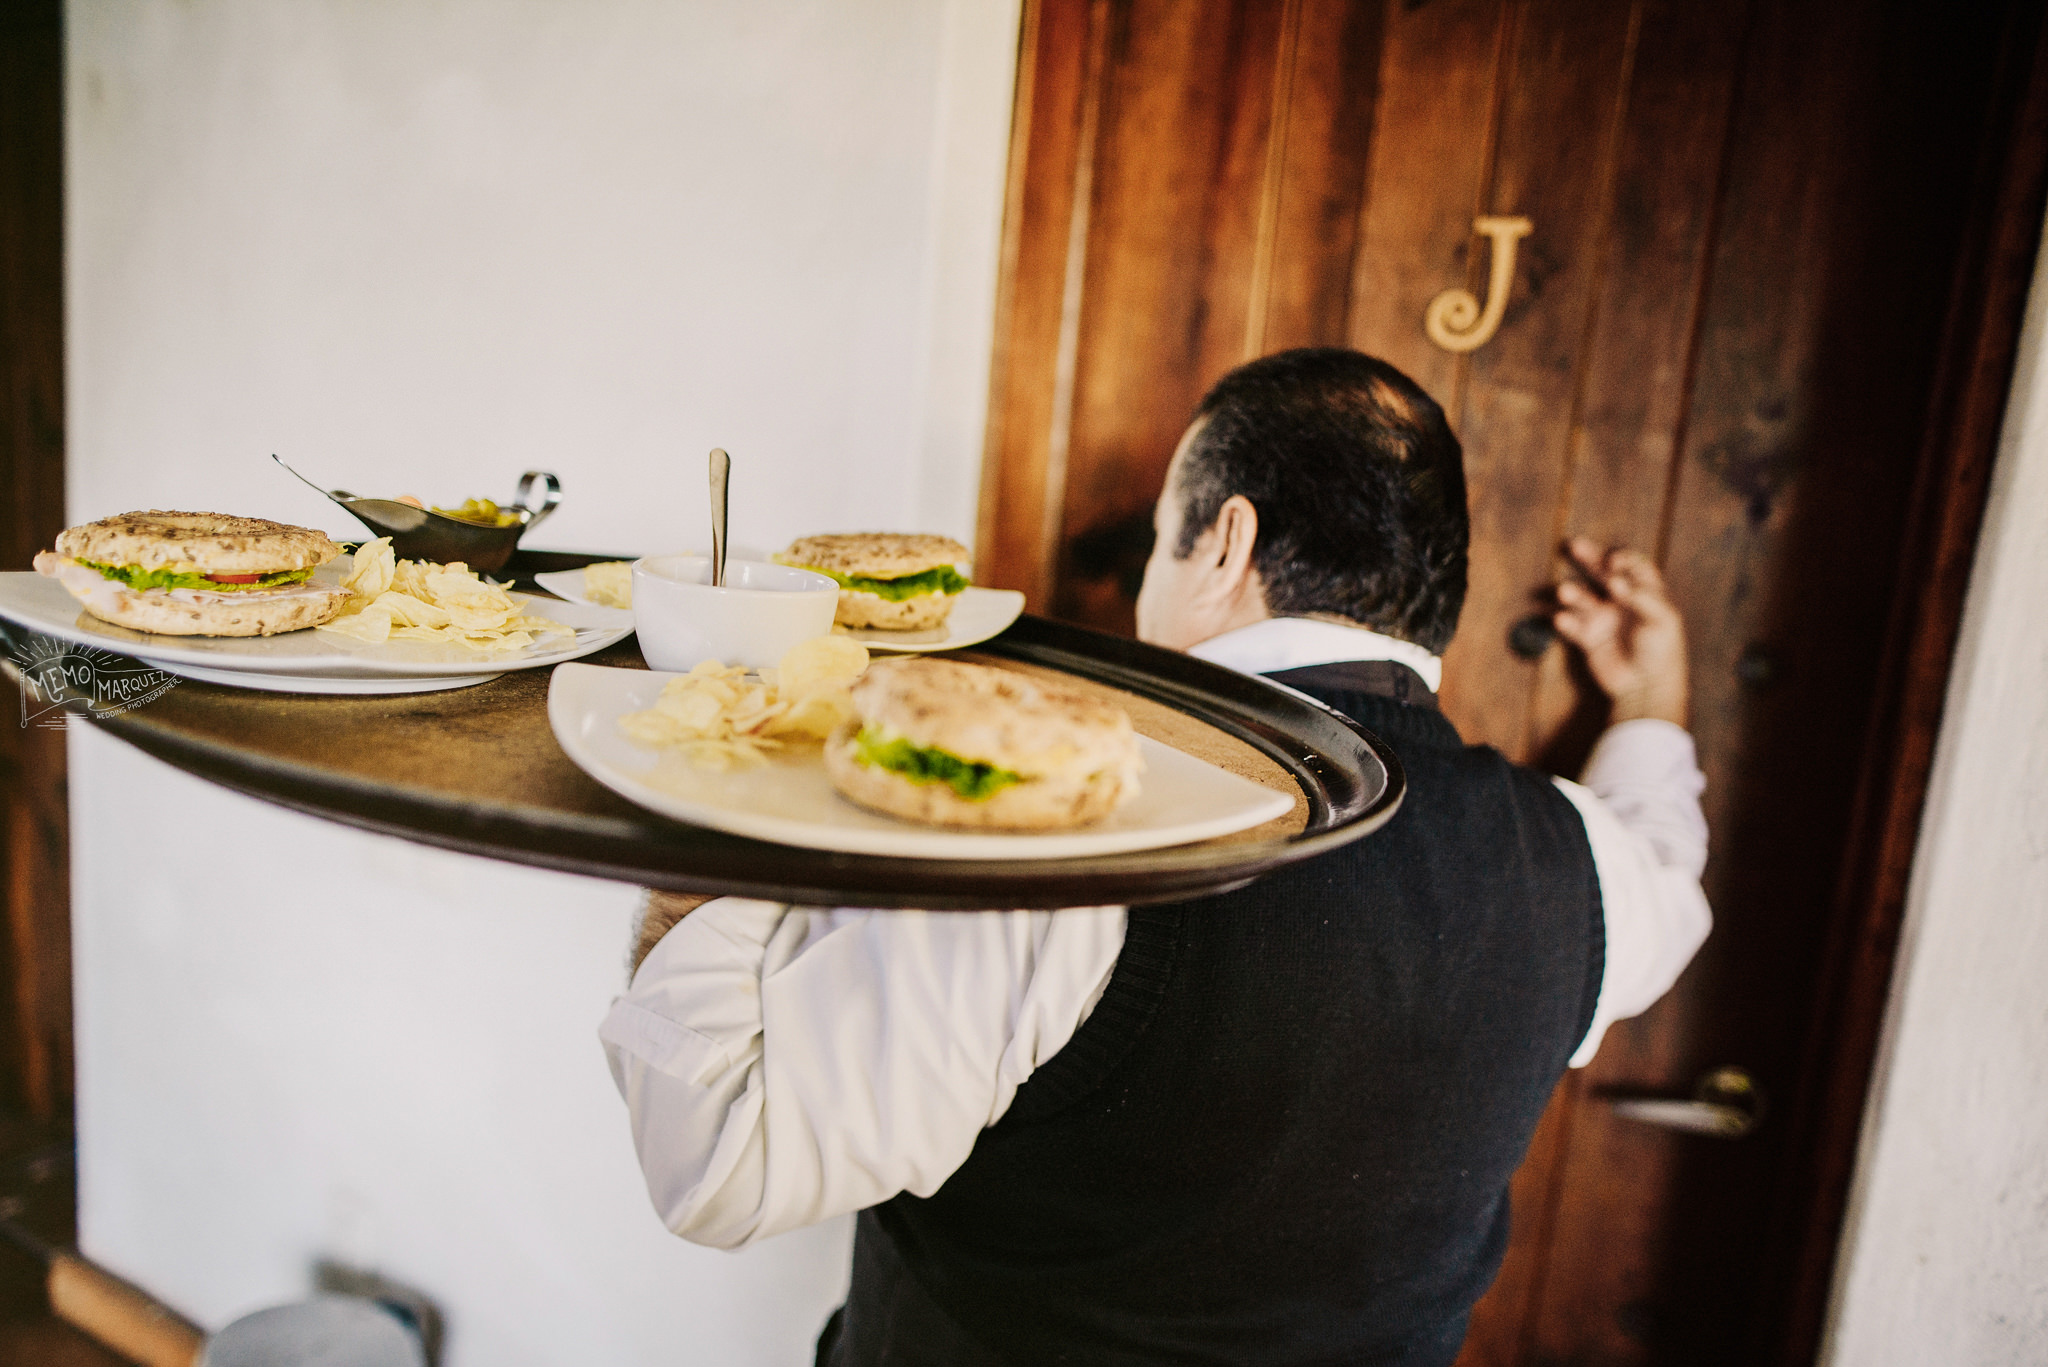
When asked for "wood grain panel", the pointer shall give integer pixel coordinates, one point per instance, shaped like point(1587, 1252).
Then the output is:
point(1176, 258)
point(1629, 411)
point(1633, 384)
point(1058, 84)
point(35, 962)
point(1568, 69)
point(1320, 166)
point(1429, 177)
point(1752, 429)
point(1171, 254)
point(1562, 102)
point(1258, 296)
point(1816, 341)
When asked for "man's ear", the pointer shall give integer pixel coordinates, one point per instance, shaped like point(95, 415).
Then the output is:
point(1237, 533)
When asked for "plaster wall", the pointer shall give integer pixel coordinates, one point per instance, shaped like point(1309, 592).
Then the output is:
point(420, 248)
point(1945, 1255)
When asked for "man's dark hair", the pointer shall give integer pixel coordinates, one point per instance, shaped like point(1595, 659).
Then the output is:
point(1358, 483)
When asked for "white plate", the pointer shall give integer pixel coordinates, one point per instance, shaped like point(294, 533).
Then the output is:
point(41, 604)
point(317, 683)
point(790, 800)
point(568, 583)
point(977, 615)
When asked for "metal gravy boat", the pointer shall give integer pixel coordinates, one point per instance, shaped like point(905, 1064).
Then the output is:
point(423, 534)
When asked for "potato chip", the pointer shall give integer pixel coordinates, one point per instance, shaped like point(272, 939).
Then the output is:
point(373, 627)
point(815, 718)
point(407, 610)
point(373, 565)
point(718, 719)
point(695, 709)
point(418, 600)
point(609, 584)
point(822, 661)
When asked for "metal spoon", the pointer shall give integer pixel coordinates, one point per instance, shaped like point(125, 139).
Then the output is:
point(721, 475)
point(388, 515)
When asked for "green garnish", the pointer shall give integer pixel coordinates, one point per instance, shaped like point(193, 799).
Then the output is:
point(944, 579)
point(142, 580)
point(482, 511)
point(971, 779)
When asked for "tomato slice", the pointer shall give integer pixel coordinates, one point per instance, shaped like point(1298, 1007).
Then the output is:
point(234, 578)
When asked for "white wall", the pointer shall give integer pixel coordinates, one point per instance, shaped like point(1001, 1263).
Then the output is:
point(419, 248)
point(1945, 1257)
point(333, 1044)
point(424, 246)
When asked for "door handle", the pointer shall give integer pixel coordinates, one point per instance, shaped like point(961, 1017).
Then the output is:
point(1531, 636)
point(1727, 1104)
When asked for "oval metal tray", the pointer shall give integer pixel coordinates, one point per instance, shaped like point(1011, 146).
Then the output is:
point(478, 770)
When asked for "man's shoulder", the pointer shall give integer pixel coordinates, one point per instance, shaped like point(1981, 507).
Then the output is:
point(1483, 770)
point(1448, 777)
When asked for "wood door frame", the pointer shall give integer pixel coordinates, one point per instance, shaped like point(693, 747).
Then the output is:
point(1046, 204)
point(1045, 220)
point(35, 951)
point(1973, 378)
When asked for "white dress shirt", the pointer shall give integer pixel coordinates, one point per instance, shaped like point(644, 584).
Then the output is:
point(782, 1065)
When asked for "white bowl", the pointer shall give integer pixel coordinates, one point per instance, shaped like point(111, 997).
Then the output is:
point(752, 619)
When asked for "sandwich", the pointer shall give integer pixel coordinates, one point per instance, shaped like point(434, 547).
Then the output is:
point(894, 581)
point(196, 574)
point(952, 744)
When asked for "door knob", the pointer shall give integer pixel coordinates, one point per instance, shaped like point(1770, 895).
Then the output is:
point(1531, 636)
point(1727, 1104)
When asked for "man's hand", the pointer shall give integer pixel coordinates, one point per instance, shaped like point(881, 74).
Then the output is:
point(658, 916)
point(1633, 639)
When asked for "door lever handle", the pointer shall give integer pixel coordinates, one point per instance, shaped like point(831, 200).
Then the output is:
point(1727, 1104)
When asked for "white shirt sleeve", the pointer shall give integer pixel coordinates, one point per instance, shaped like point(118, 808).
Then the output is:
point(899, 1036)
point(1641, 805)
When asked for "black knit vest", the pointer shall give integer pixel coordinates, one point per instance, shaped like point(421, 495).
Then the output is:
point(1285, 1134)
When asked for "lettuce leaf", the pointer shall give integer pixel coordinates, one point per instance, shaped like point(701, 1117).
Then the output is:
point(971, 779)
point(142, 580)
point(944, 579)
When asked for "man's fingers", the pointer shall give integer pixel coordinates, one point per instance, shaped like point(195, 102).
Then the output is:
point(1635, 562)
point(1643, 596)
point(1592, 638)
point(1616, 611)
point(1589, 556)
point(1637, 570)
point(1584, 619)
point(1627, 577)
point(1581, 603)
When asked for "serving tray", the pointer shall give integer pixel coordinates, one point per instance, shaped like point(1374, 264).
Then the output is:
point(478, 770)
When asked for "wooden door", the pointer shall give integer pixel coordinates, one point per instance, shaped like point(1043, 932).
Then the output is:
point(1762, 327)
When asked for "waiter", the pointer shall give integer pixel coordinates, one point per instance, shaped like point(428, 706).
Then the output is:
point(1271, 1126)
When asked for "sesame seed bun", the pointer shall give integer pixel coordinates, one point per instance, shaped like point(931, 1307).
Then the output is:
point(213, 542)
point(1077, 754)
point(877, 555)
point(881, 555)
